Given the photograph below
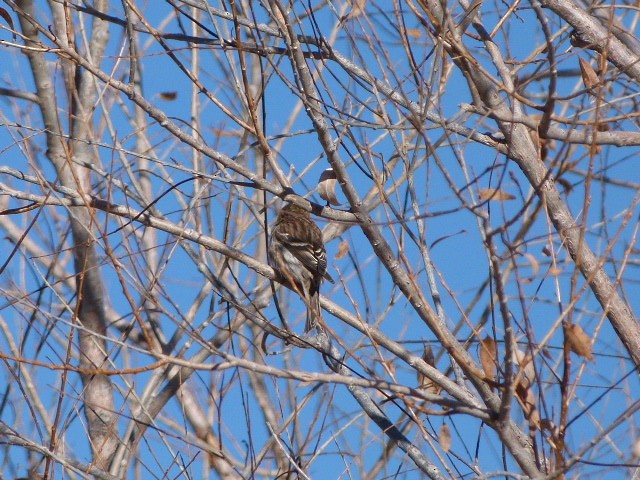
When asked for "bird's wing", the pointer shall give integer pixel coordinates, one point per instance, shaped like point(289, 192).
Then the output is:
point(314, 260)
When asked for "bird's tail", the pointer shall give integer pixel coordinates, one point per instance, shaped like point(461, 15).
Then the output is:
point(314, 313)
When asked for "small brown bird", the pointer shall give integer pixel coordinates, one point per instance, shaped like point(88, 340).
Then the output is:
point(297, 252)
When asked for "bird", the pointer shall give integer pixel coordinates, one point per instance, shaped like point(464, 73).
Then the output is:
point(297, 253)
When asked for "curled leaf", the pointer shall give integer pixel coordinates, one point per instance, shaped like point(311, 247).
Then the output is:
point(566, 185)
point(425, 383)
point(444, 437)
point(343, 249)
point(589, 75)
point(528, 403)
point(428, 356)
point(524, 392)
point(489, 357)
point(327, 187)
point(524, 361)
point(168, 96)
point(495, 194)
point(579, 342)
point(5, 15)
point(554, 271)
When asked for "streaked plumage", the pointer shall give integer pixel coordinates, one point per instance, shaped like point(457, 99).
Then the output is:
point(297, 252)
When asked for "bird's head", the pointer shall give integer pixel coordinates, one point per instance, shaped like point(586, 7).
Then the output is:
point(294, 209)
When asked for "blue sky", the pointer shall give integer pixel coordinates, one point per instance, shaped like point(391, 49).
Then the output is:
point(457, 252)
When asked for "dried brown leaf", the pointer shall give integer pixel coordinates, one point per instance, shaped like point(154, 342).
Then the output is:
point(524, 362)
point(425, 383)
point(428, 356)
point(579, 342)
point(524, 393)
point(595, 149)
point(555, 271)
point(168, 96)
point(495, 194)
point(444, 437)
point(589, 75)
point(390, 366)
point(343, 249)
point(528, 403)
point(566, 185)
point(489, 357)
point(4, 14)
